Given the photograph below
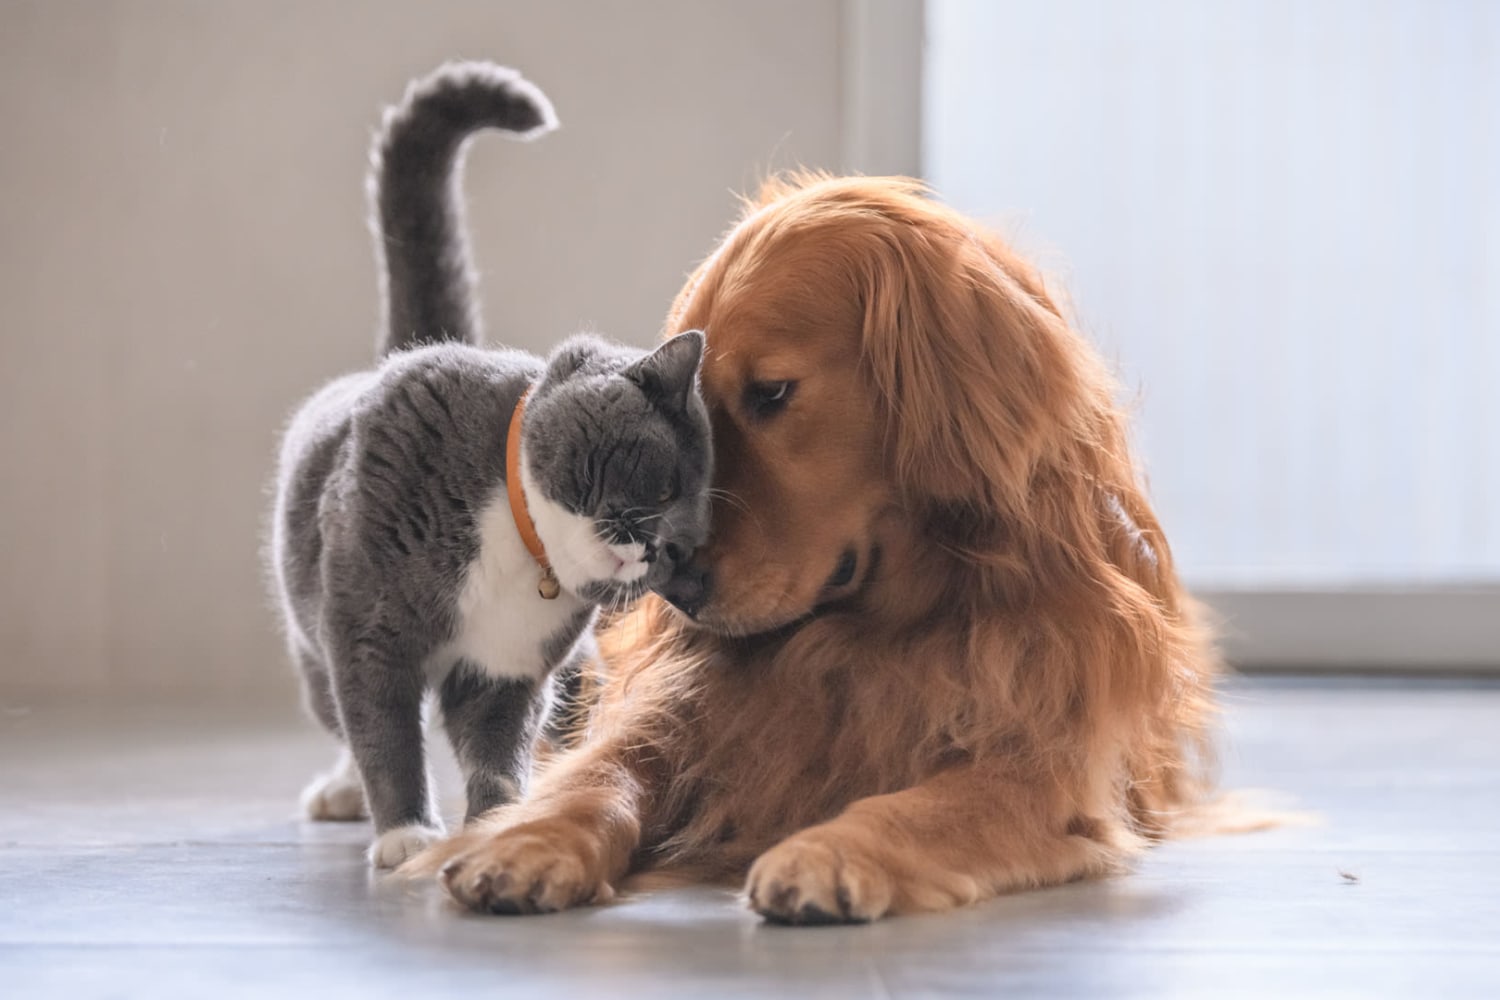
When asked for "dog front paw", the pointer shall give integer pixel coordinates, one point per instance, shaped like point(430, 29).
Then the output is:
point(813, 878)
point(530, 869)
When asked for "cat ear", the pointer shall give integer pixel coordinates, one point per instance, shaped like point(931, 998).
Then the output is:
point(666, 375)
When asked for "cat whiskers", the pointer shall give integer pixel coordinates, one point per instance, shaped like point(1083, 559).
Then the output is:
point(617, 598)
point(728, 496)
point(627, 524)
point(621, 599)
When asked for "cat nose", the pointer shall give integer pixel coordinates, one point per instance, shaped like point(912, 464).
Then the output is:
point(687, 588)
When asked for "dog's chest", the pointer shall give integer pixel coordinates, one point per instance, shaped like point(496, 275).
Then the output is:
point(503, 625)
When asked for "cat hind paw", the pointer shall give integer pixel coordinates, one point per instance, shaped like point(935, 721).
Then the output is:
point(337, 796)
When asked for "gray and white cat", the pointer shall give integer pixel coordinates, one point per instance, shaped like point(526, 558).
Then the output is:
point(398, 559)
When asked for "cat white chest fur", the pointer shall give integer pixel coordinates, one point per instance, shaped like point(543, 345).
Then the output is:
point(503, 623)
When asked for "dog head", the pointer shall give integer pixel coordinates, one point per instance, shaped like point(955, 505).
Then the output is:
point(881, 378)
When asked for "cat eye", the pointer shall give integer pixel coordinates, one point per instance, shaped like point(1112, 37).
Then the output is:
point(670, 491)
point(766, 399)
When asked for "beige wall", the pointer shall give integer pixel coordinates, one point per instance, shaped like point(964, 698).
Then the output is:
point(184, 257)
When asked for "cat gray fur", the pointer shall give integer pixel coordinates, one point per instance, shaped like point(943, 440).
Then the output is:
point(394, 558)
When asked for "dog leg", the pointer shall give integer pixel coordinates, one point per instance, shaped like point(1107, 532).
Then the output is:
point(565, 846)
point(964, 835)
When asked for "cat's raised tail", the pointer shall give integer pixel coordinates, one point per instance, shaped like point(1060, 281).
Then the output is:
point(416, 198)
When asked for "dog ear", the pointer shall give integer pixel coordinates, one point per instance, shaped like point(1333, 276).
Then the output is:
point(981, 378)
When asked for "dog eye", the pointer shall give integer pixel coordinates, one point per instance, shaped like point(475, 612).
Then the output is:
point(766, 399)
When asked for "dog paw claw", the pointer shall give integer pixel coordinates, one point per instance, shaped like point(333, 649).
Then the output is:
point(812, 880)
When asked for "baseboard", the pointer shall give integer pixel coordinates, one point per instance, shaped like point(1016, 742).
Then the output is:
point(1447, 629)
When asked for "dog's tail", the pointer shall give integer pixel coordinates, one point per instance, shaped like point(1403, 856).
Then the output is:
point(416, 196)
point(1246, 810)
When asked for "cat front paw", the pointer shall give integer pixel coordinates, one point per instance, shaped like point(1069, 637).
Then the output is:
point(399, 843)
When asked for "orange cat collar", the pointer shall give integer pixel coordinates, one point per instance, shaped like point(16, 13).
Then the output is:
point(547, 586)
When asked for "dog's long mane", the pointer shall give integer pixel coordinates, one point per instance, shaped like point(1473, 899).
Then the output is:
point(1035, 616)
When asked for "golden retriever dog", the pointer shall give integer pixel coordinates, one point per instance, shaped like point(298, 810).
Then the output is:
point(936, 648)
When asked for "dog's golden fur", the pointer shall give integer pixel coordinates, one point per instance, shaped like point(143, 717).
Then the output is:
point(1012, 689)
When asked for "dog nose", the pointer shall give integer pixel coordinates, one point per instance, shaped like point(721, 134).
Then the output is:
point(687, 588)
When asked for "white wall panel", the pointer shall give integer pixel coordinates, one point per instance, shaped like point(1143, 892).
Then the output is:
point(1282, 219)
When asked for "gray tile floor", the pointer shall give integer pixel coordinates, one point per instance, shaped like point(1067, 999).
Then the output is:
point(156, 853)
